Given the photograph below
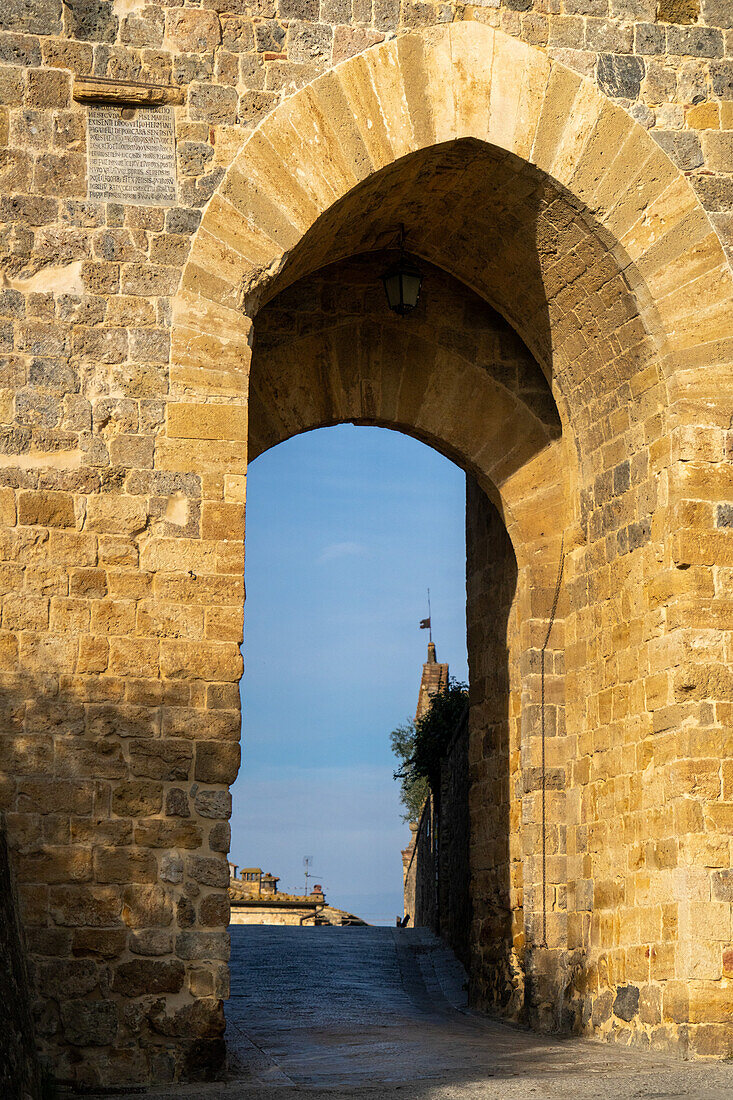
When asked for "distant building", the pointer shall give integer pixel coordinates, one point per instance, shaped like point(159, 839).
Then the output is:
point(255, 899)
point(253, 881)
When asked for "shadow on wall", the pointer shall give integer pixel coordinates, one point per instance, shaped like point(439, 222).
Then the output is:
point(497, 965)
point(119, 848)
point(19, 1070)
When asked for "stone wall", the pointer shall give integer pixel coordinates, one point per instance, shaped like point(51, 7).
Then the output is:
point(272, 915)
point(669, 62)
point(421, 872)
point(437, 875)
point(123, 463)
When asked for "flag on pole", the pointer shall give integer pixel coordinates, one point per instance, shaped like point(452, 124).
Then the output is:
point(425, 624)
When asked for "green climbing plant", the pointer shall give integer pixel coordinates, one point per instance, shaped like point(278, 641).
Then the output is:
point(421, 745)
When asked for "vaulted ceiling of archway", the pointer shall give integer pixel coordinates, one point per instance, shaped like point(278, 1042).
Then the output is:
point(509, 233)
point(453, 373)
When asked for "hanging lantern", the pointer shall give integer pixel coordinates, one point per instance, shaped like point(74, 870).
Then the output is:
point(402, 282)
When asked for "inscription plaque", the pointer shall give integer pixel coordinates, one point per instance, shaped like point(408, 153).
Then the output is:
point(132, 155)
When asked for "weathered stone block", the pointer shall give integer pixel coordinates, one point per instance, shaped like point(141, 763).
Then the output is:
point(147, 907)
point(695, 41)
point(650, 1004)
point(176, 803)
point(202, 945)
point(137, 798)
point(68, 978)
point(168, 834)
point(55, 865)
point(55, 796)
point(89, 1023)
point(620, 76)
point(192, 31)
point(202, 1019)
point(48, 88)
point(214, 911)
point(143, 977)
point(102, 943)
point(171, 869)
point(151, 941)
point(165, 759)
point(185, 913)
point(722, 882)
point(214, 104)
point(216, 804)
point(217, 761)
point(116, 515)
point(125, 865)
point(220, 837)
point(208, 870)
point(46, 509)
point(97, 759)
point(602, 1007)
point(202, 724)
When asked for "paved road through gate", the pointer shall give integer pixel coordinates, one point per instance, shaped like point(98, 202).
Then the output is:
point(383, 1011)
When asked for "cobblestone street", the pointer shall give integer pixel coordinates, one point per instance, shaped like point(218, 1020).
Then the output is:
point(384, 1010)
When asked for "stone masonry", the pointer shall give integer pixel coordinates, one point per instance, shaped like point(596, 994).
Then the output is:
point(564, 171)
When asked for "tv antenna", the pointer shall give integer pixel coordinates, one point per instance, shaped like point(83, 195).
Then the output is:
point(307, 860)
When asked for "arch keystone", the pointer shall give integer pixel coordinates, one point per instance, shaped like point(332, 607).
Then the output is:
point(472, 52)
point(385, 70)
point(509, 120)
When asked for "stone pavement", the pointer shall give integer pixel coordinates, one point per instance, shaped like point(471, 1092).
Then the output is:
point(380, 1013)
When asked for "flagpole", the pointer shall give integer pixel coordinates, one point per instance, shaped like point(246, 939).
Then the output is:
point(430, 618)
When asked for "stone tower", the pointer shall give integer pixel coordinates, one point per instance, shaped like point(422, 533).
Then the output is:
point(434, 680)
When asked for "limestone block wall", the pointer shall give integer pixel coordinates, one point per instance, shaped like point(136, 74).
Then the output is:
point(421, 873)
point(122, 469)
point(290, 917)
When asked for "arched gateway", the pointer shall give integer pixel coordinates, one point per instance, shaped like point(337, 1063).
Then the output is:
point(573, 353)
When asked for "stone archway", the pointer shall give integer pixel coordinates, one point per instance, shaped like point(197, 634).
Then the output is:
point(607, 267)
point(616, 282)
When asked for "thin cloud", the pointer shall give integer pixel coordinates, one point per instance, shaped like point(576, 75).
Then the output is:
point(339, 550)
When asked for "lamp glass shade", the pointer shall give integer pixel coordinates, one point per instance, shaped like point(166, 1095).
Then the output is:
point(402, 286)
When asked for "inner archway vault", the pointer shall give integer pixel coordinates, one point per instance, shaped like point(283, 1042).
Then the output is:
point(455, 376)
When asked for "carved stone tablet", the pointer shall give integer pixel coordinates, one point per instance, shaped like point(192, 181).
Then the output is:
point(132, 155)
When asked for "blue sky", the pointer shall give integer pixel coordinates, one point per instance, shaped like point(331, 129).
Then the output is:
point(346, 529)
